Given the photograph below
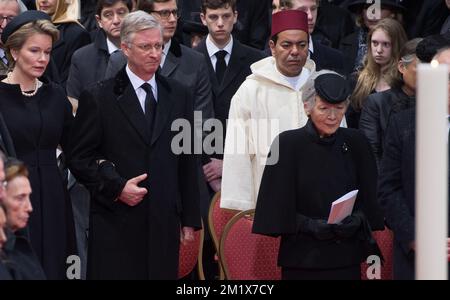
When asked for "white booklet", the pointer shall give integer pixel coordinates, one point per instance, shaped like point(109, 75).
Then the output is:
point(342, 207)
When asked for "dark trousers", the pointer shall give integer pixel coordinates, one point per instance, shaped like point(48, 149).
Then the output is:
point(347, 273)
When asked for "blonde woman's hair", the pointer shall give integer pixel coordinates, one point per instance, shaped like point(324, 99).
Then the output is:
point(66, 11)
point(370, 75)
point(17, 39)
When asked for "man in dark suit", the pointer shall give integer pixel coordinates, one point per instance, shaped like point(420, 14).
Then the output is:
point(145, 194)
point(109, 15)
point(228, 65)
point(397, 185)
point(325, 57)
point(180, 63)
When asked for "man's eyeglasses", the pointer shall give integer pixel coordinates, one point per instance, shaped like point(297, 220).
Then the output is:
point(165, 13)
point(148, 47)
point(7, 19)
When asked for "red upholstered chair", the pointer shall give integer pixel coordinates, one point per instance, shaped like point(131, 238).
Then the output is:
point(245, 255)
point(385, 242)
point(217, 219)
point(190, 255)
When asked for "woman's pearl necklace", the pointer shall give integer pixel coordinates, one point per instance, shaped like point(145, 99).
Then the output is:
point(31, 94)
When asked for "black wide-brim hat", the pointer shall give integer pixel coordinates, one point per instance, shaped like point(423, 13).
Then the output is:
point(22, 19)
point(194, 27)
point(356, 6)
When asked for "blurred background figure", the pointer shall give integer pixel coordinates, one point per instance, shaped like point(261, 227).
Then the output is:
point(195, 31)
point(380, 71)
point(355, 46)
point(72, 35)
point(380, 107)
point(5, 273)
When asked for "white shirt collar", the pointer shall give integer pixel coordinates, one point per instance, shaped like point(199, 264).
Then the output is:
point(111, 47)
point(165, 52)
point(213, 49)
point(137, 82)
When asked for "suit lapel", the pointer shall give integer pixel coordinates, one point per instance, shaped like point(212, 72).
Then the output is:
point(172, 60)
point(234, 65)
point(170, 64)
point(129, 104)
point(165, 104)
point(212, 73)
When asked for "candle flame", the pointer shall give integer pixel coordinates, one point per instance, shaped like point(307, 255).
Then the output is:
point(434, 63)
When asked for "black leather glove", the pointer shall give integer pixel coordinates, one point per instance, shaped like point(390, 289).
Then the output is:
point(317, 228)
point(348, 227)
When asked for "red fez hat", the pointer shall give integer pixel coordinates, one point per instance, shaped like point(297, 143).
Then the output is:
point(289, 19)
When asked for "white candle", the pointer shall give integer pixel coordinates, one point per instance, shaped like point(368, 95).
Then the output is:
point(431, 171)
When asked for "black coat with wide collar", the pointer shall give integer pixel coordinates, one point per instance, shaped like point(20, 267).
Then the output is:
point(6, 144)
point(138, 242)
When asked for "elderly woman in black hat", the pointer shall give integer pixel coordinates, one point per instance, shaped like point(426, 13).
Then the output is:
point(318, 164)
point(39, 116)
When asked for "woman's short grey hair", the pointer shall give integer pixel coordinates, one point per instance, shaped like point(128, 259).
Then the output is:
point(308, 90)
point(135, 22)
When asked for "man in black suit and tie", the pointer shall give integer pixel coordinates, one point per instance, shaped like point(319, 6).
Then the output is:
point(228, 65)
point(144, 194)
point(109, 16)
point(178, 61)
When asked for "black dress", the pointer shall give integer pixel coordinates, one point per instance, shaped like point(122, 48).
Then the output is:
point(310, 174)
point(37, 126)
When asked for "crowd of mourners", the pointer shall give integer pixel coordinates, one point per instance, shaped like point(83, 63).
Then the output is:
point(296, 102)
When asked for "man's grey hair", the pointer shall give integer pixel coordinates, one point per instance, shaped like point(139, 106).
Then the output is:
point(309, 91)
point(135, 22)
point(22, 7)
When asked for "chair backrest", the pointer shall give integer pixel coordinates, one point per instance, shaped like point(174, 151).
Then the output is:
point(245, 255)
point(217, 219)
point(385, 240)
point(191, 255)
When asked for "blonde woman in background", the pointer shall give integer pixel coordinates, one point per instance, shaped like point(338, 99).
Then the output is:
point(380, 71)
point(65, 15)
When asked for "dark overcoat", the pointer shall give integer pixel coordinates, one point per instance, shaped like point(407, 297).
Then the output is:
point(72, 36)
point(88, 65)
point(6, 144)
point(140, 242)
